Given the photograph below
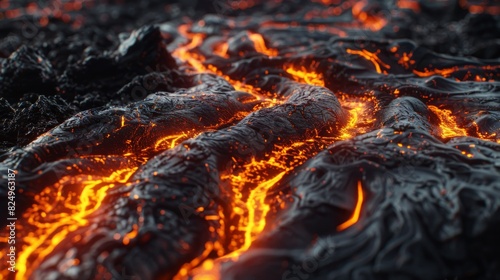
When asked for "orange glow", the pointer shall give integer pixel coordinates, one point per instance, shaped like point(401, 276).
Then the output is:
point(52, 224)
point(447, 123)
point(260, 45)
point(373, 22)
point(310, 26)
point(221, 49)
point(63, 208)
point(327, 2)
point(372, 57)
point(485, 136)
point(250, 209)
point(187, 55)
point(184, 52)
point(357, 211)
point(480, 7)
point(477, 9)
point(447, 72)
point(241, 5)
point(360, 119)
point(303, 76)
point(253, 177)
point(170, 141)
point(55, 9)
point(257, 211)
point(208, 270)
point(406, 60)
point(186, 268)
point(353, 120)
point(409, 4)
point(442, 72)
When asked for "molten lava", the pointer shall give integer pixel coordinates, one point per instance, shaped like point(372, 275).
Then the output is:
point(357, 210)
point(252, 141)
point(60, 210)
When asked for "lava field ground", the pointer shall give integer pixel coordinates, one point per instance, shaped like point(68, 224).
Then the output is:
point(242, 140)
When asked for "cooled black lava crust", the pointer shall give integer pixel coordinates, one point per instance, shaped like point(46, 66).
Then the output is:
point(92, 88)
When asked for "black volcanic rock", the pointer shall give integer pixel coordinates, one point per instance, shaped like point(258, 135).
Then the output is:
point(6, 110)
point(142, 86)
point(26, 70)
point(144, 48)
point(143, 52)
point(32, 119)
point(251, 139)
point(6, 114)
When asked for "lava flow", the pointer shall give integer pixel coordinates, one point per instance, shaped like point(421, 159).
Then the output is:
point(254, 139)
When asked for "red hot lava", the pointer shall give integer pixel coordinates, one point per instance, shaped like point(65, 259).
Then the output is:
point(251, 139)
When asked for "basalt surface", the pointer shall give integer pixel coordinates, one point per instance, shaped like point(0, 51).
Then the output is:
point(250, 139)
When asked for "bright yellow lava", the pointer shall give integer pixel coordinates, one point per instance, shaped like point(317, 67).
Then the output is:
point(303, 76)
point(257, 211)
point(169, 142)
point(53, 225)
point(447, 123)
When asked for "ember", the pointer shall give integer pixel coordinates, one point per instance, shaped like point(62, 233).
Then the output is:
point(250, 139)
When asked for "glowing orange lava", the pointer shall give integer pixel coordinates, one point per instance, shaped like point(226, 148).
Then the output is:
point(256, 178)
point(260, 45)
point(357, 211)
point(361, 115)
point(64, 207)
point(370, 56)
point(301, 75)
point(447, 123)
point(486, 136)
point(187, 55)
point(169, 142)
point(221, 49)
point(370, 21)
point(257, 211)
point(57, 211)
point(406, 60)
point(447, 72)
point(409, 4)
point(442, 72)
point(250, 186)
